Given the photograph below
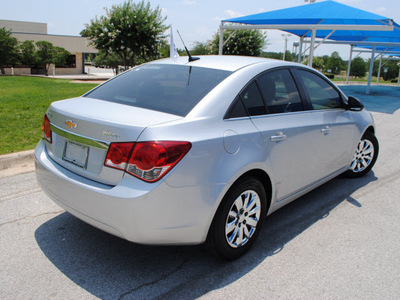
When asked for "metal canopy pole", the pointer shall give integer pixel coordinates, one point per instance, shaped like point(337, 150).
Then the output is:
point(398, 79)
point(379, 70)
point(221, 40)
point(349, 67)
point(300, 50)
point(371, 68)
point(310, 59)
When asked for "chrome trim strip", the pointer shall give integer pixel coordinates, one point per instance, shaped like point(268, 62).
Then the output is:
point(237, 118)
point(286, 113)
point(79, 138)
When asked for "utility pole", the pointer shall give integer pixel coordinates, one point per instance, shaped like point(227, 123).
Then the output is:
point(285, 36)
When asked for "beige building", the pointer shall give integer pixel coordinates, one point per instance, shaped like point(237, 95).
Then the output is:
point(32, 31)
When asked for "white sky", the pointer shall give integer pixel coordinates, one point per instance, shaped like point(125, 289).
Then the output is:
point(196, 20)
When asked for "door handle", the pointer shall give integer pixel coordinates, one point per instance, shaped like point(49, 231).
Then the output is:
point(278, 137)
point(325, 130)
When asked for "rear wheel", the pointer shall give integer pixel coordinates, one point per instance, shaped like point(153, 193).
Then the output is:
point(238, 220)
point(365, 156)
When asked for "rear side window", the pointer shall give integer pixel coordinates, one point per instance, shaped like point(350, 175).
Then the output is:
point(252, 100)
point(237, 109)
point(280, 92)
point(167, 88)
point(322, 94)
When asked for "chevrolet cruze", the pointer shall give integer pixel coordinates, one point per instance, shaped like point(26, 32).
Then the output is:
point(187, 152)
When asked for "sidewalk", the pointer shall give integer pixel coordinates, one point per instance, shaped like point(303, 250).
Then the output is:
point(92, 74)
point(78, 77)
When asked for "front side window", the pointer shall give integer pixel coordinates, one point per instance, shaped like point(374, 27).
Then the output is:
point(173, 89)
point(280, 92)
point(322, 94)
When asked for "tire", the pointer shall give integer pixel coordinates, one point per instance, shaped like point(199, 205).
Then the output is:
point(238, 220)
point(364, 157)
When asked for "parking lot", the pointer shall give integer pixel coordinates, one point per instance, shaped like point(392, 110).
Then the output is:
point(341, 241)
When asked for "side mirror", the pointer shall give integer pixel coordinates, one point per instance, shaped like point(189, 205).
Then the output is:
point(354, 104)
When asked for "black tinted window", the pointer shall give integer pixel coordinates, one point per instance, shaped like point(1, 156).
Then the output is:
point(322, 94)
point(280, 92)
point(252, 100)
point(166, 88)
point(237, 109)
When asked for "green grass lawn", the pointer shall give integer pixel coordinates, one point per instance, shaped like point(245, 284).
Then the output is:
point(23, 102)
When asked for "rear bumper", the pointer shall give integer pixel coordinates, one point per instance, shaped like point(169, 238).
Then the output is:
point(134, 210)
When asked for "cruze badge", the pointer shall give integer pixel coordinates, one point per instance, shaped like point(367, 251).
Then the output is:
point(71, 124)
point(110, 134)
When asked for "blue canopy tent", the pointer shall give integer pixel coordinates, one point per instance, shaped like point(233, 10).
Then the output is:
point(324, 20)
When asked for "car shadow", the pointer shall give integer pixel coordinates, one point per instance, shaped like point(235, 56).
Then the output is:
point(112, 268)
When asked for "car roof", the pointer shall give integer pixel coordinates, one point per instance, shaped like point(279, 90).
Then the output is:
point(222, 62)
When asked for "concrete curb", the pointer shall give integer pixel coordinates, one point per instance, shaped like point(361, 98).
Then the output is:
point(13, 159)
point(16, 163)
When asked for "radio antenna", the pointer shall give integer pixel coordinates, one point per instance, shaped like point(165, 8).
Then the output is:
point(187, 51)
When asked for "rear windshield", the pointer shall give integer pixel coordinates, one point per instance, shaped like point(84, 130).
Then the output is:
point(167, 88)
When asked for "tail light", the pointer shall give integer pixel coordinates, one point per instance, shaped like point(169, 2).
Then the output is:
point(149, 161)
point(118, 155)
point(46, 129)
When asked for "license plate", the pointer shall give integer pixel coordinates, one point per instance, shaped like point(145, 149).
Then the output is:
point(76, 154)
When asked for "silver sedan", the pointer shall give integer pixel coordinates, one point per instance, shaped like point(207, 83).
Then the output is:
point(187, 152)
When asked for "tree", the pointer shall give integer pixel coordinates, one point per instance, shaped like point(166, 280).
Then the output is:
point(358, 67)
point(392, 70)
point(318, 63)
point(274, 55)
point(8, 50)
point(334, 63)
point(44, 54)
point(111, 60)
point(60, 56)
point(47, 54)
point(391, 67)
point(288, 56)
point(27, 53)
point(133, 31)
point(325, 58)
point(242, 42)
point(201, 49)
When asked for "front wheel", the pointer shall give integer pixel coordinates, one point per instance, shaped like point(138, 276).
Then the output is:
point(365, 156)
point(238, 220)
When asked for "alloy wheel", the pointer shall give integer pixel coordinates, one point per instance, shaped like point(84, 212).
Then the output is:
point(363, 156)
point(243, 218)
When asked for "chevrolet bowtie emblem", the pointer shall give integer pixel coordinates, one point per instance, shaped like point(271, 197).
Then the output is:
point(71, 124)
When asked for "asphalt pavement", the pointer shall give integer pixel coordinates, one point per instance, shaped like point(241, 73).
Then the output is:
point(341, 241)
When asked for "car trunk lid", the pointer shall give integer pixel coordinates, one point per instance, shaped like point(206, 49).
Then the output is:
point(83, 128)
